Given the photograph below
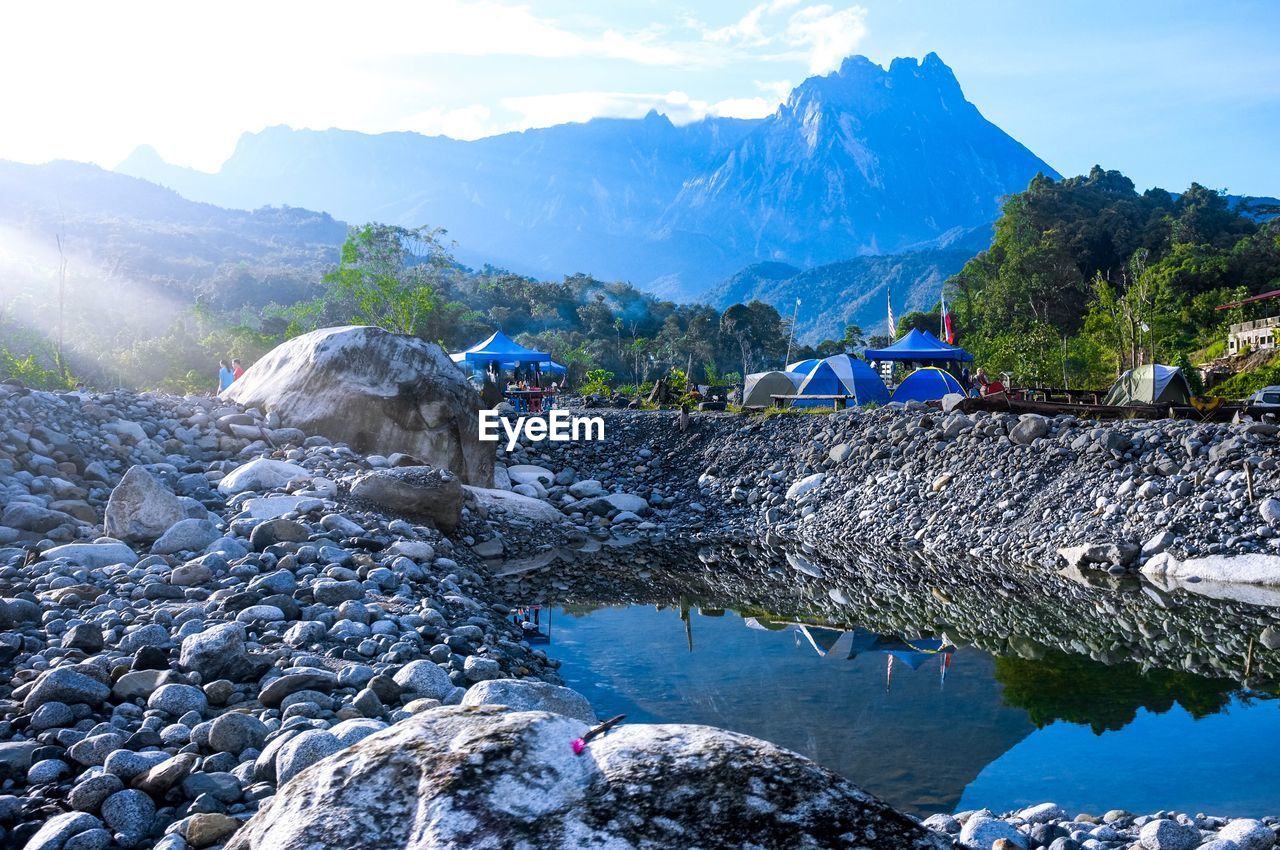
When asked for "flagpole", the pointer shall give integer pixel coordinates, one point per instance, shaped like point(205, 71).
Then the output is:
point(794, 313)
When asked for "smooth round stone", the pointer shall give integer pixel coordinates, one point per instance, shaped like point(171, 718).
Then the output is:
point(52, 715)
point(260, 614)
point(304, 750)
point(129, 814)
point(88, 794)
point(127, 764)
point(90, 839)
point(1164, 834)
point(47, 771)
point(177, 700)
point(1248, 834)
point(235, 732)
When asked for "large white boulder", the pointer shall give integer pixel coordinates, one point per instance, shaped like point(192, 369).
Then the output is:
point(377, 391)
point(483, 776)
point(141, 508)
point(261, 474)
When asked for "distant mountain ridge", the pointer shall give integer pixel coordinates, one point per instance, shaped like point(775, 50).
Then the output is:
point(865, 160)
point(853, 291)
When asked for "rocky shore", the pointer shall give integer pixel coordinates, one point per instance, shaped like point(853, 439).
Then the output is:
point(202, 605)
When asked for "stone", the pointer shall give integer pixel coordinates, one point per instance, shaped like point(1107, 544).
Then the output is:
point(189, 535)
point(159, 779)
point(85, 637)
point(296, 679)
point(275, 531)
point(93, 555)
point(63, 684)
point(1030, 427)
point(1269, 510)
point(1164, 834)
point(479, 669)
point(140, 683)
point(129, 813)
point(304, 750)
point(1252, 568)
point(377, 392)
point(59, 828)
point(235, 732)
point(261, 474)
point(641, 786)
point(512, 504)
point(271, 507)
point(984, 831)
point(52, 715)
point(215, 653)
point(527, 474)
point(177, 700)
point(90, 792)
point(804, 485)
point(208, 828)
point(1043, 813)
point(416, 491)
point(1248, 834)
point(531, 695)
point(424, 678)
point(586, 489)
point(140, 508)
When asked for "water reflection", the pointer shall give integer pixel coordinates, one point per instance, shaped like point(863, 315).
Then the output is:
point(934, 689)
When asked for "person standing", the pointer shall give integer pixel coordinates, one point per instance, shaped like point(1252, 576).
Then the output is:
point(236, 369)
point(225, 375)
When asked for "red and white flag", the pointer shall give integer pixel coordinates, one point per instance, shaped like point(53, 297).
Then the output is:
point(947, 333)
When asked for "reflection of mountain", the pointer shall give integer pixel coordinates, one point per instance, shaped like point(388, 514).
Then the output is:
point(917, 745)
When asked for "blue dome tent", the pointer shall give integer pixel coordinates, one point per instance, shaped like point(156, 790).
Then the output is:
point(927, 384)
point(921, 347)
point(842, 375)
point(500, 349)
point(804, 367)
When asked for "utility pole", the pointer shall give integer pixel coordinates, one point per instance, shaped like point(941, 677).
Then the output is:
point(794, 314)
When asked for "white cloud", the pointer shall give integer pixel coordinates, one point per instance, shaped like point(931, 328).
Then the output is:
point(744, 107)
point(464, 122)
point(821, 35)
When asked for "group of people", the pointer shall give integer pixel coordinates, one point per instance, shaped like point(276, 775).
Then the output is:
point(528, 397)
point(229, 373)
point(980, 382)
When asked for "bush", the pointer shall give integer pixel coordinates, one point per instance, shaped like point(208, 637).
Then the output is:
point(599, 382)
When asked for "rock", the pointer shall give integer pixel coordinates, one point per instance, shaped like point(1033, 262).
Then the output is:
point(586, 489)
point(93, 555)
point(1227, 569)
point(140, 683)
point(141, 508)
point(1095, 554)
point(215, 653)
point(207, 828)
point(530, 695)
point(89, 793)
point(177, 700)
point(1164, 834)
point(1030, 427)
point(271, 507)
point(275, 531)
point(1269, 510)
point(1043, 813)
point(416, 491)
point(85, 637)
point(1270, 637)
point(514, 504)
point(479, 669)
point(375, 391)
point(57, 829)
point(234, 733)
point(159, 779)
point(63, 684)
point(640, 786)
point(1248, 834)
point(804, 485)
point(189, 535)
point(983, 831)
point(1159, 542)
point(297, 679)
point(129, 815)
point(260, 475)
point(527, 474)
point(304, 750)
point(424, 678)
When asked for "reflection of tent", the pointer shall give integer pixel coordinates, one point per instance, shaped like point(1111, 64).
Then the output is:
point(804, 367)
point(762, 386)
point(1150, 384)
point(842, 375)
point(927, 384)
point(920, 346)
point(501, 349)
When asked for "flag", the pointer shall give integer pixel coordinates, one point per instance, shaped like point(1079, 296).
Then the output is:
point(946, 332)
point(893, 326)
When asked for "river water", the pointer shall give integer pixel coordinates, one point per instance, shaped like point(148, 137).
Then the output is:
point(1157, 705)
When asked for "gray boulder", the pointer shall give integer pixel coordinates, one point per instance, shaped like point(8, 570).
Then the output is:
point(62, 684)
point(189, 535)
point(93, 555)
point(1030, 428)
point(261, 474)
point(531, 695)
point(466, 777)
point(378, 392)
point(140, 508)
point(216, 653)
point(1166, 834)
point(415, 490)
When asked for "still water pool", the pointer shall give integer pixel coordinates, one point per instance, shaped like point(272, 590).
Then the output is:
point(930, 726)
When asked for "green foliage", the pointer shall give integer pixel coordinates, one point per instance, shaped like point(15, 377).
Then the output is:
point(1088, 277)
point(1249, 382)
point(1078, 689)
point(598, 382)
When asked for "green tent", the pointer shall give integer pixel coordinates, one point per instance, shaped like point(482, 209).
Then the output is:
point(1150, 384)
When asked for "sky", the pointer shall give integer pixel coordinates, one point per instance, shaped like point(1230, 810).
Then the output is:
point(1167, 92)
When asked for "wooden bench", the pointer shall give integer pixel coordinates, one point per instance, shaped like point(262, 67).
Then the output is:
point(838, 402)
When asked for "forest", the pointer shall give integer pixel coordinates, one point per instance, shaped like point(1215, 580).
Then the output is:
point(1085, 277)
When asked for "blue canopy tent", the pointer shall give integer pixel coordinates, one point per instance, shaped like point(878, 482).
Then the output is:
point(842, 375)
point(922, 347)
point(500, 349)
point(927, 384)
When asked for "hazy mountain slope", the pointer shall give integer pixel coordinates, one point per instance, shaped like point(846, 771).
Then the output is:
point(861, 161)
point(849, 292)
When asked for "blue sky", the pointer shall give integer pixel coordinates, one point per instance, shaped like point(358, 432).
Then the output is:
point(1167, 92)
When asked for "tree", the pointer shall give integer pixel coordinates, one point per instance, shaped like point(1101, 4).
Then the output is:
point(757, 329)
point(387, 276)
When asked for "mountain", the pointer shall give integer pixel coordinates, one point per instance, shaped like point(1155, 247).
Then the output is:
point(861, 161)
point(121, 234)
point(848, 292)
